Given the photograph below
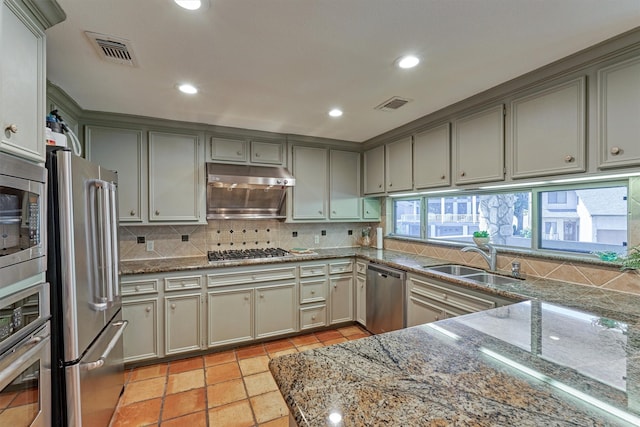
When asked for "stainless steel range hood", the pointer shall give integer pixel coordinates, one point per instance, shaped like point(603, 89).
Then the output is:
point(246, 192)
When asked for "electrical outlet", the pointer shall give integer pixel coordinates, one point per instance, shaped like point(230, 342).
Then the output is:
point(316, 239)
point(149, 245)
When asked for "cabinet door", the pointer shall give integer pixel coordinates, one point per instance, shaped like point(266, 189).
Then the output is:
point(374, 171)
point(121, 150)
point(141, 337)
point(619, 113)
point(22, 84)
point(371, 208)
point(341, 299)
point(361, 299)
point(267, 152)
point(182, 327)
point(479, 147)
point(310, 191)
point(344, 192)
point(431, 157)
point(230, 316)
point(229, 150)
point(548, 131)
point(420, 311)
point(398, 166)
point(276, 310)
point(176, 177)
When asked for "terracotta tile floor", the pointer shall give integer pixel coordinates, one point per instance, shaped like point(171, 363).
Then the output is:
point(233, 388)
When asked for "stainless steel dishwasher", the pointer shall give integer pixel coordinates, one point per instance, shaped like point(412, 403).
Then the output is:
point(385, 299)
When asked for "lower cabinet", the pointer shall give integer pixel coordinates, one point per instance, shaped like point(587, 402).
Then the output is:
point(182, 327)
point(141, 338)
point(275, 310)
point(230, 316)
point(341, 299)
point(361, 299)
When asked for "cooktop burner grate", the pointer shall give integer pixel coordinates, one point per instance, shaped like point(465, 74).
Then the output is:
point(240, 254)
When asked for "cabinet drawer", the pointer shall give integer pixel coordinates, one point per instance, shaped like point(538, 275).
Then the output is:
point(361, 267)
point(253, 276)
point(183, 282)
point(313, 317)
point(137, 287)
point(340, 267)
point(313, 270)
point(442, 294)
point(313, 291)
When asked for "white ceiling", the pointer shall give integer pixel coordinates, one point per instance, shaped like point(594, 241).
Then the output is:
point(281, 65)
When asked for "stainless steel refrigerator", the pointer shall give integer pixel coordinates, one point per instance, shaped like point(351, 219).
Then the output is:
point(82, 267)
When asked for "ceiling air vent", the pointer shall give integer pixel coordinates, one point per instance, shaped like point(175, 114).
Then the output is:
point(112, 49)
point(392, 104)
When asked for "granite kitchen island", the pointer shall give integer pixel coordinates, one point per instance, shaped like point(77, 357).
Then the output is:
point(528, 364)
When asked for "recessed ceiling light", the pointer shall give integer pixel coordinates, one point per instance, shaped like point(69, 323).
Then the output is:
point(336, 112)
point(189, 4)
point(187, 88)
point(408, 61)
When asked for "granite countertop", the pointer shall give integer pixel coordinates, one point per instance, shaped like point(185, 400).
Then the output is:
point(522, 365)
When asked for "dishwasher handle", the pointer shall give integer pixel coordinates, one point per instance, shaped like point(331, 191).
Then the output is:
point(386, 271)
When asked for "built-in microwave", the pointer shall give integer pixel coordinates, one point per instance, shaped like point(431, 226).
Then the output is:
point(22, 219)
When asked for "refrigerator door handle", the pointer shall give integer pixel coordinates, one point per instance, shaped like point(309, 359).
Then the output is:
point(114, 239)
point(96, 235)
point(89, 366)
point(107, 245)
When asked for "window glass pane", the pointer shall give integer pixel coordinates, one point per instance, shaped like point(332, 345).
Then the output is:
point(406, 214)
point(584, 220)
point(506, 216)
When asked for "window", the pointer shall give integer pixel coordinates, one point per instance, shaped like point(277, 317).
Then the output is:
point(591, 219)
point(505, 215)
point(406, 217)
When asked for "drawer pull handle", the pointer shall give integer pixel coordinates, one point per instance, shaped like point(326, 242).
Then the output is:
point(13, 128)
point(379, 185)
point(239, 153)
point(320, 212)
point(148, 309)
point(443, 176)
point(569, 159)
point(157, 212)
point(132, 213)
point(462, 173)
point(615, 150)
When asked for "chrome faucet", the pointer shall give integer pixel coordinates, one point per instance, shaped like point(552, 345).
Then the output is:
point(491, 257)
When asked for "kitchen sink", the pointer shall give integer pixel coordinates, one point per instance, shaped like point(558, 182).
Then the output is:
point(454, 269)
point(476, 275)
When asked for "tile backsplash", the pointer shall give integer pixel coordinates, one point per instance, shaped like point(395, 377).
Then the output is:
point(168, 241)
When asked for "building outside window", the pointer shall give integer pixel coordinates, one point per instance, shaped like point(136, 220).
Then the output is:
point(407, 217)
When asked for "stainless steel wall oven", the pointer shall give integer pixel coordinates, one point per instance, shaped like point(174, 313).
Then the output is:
point(22, 219)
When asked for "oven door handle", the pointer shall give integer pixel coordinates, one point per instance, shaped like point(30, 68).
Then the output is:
point(7, 373)
point(89, 366)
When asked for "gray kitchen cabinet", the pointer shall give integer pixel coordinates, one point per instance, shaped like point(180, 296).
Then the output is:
point(313, 290)
point(182, 329)
point(344, 187)
point(371, 208)
point(619, 114)
point(361, 292)
point(398, 165)
point(267, 152)
point(548, 131)
point(229, 150)
point(431, 157)
point(176, 178)
point(124, 151)
point(478, 146)
point(230, 316)
point(310, 194)
point(276, 309)
point(341, 299)
point(140, 306)
point(22, 82)
point(374, 171)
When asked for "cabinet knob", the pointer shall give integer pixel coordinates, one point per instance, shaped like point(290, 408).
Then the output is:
point(257, 154)
point(137, 288)
point(444, 296)
point(569, 158)
point(148, 309)
point(253, 277)
point(313, 317)
point(261, 295)
point(615, 150)
point(437, 317)
point(391, 184)
point(320, 212)
point(463, 173)
point(173, 306)
point(443, 176)
point(132, 213)
point(13, 128)
point(335, 286)
point(313, 292)
point(183, 283)
point(379, 185)
point(157, 212)
point(239, 153)
point(246, 298)
point(333, 211)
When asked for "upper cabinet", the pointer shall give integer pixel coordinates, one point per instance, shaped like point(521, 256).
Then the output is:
point(22, 83)
point(619, 114)
point(344, 186)
point(478, 146)
point(374, 171)
point(176, 174)
point(247, 150)
point(122, 150)
point(399, 174)
point(311, 189)
point(431, 157)
point(548, 131)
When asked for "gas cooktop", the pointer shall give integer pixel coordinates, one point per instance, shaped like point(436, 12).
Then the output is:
point(239, 254)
